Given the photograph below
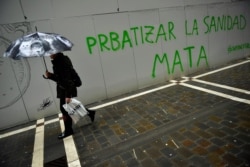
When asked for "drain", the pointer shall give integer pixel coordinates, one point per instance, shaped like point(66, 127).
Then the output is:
point(60, 162)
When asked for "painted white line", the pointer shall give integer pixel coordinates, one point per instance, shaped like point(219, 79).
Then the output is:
point(217, 93)
point(71, 153)
point(51, 121)
point(175, 144)
point(74, 164)
point(25, 129)
point(17, 131)
point(70, 148)
point(221, 69)
point(164, 111)
point(37, 159)
point(173, 81)
point(222, 86)
point(134, 154)
point(132, 96)
point(181, 81)
point(129, 97)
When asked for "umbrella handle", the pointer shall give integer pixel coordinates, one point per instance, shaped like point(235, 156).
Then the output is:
point(45, 64)
point(45, 77)
point(45, 67)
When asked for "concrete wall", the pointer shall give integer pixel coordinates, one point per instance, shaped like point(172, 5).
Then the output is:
point(119, 46)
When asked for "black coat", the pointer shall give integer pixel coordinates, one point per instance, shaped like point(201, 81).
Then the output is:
point(62, 76)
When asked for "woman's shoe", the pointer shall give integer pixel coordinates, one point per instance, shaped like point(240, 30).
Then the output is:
point(65, 134)
point(91, 114)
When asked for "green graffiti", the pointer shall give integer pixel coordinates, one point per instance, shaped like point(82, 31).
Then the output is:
point(202, 55)
point(91, 42)
point(161, 33)
point(157, 58)
point(103, 40)
point(149, 33)
point(224, 23)
point(171, 29)
point(126, 39)
point(177, 62)
point(194, 28)
point(115, 44)
point(142, 35)
point(238, 47)
point(135, 36)
point(189, 49)
point(153, 34)
point(134, 30)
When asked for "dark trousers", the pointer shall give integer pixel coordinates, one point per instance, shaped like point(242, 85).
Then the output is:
point(66, 118)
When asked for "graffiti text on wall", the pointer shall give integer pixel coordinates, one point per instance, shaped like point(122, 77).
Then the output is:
point(177, 61)
point(152, 34)
point(238, 47)
point(216, 24)
point(135, 36)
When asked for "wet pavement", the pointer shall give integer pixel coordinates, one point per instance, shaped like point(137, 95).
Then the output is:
point(199, 121)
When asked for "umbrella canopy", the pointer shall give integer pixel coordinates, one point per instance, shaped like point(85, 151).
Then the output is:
point(38, 44)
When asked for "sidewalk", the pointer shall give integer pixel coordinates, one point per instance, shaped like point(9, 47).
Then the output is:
point(201, 120)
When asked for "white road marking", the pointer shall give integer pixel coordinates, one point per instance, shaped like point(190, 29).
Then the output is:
point(181, 81)
point(175, 144)
point(134, 154)
point(70, 148)
point(221, 69)
point(222, 86)
point(25, 129)
point(17, 131)
point(217, 93)
point(132, 96)
point(51, 121)
point(37, 159)
point(164, 111)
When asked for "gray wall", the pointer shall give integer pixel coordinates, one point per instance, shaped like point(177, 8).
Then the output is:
point(139, 34)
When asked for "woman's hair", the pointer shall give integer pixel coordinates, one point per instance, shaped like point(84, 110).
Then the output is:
point(59, 54)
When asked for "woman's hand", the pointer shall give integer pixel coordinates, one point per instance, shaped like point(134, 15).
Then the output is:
point(47, 74)
point(67, 100)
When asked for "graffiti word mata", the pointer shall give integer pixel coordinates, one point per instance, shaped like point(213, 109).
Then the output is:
point(177, 61)
point(139, 35)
